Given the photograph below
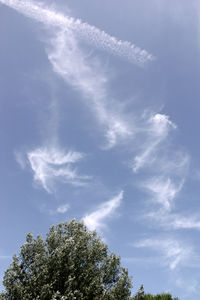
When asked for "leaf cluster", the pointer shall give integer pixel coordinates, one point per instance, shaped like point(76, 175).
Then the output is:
point(140, 295)
point(72, 263)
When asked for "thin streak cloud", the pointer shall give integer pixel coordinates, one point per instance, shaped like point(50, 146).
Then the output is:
point(170, 220)
point(158, 127)
point(172, 252)
point(88, 33)
point(96, 220)
point(62, 209)
point(70, 62)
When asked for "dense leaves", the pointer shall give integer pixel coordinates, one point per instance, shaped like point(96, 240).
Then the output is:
point(72, 263)
point(140, 295)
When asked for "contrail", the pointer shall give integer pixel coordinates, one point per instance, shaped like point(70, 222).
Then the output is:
point(84, 31)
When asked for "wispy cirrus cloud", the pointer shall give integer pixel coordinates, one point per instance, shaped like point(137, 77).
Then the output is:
point(62, 209)
point(157, 128)
point(172, 252)
point(166, 167)
point(96, 220)
point(71, 63)
point(171, 220)
point(88, 33)
point(51, 164)
point(183, 222)
point(163, 190)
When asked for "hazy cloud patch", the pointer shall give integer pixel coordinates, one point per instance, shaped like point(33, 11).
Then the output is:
point(172, 252)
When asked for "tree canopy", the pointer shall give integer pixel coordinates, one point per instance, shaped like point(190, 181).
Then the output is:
point(71, 263)
point(140, 295)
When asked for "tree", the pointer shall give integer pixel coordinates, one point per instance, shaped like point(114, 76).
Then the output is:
point(159, 297)
point(72, 263)
point(140, 295)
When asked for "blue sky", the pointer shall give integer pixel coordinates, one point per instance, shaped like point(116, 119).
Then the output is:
point(99, 121)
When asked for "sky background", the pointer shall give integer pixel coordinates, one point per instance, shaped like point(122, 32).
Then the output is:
point(99, 121)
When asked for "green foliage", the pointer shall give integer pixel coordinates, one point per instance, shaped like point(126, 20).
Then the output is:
point(140, 295)
point(72, 263)
point(159, 297)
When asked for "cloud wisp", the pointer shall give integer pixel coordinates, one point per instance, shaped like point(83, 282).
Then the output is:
point(96, 220)
point(163, 190)
point(157, 128)
point(170, 220)
point(88, 33)
point(50, 165)
point(172, 252)
point(166, 171)
point(70, 62)
point(62, 209)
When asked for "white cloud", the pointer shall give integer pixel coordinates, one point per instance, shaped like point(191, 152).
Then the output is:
point(52, 164)
point(117, 130)
point(96, 220)
point(62, 208)
point(167, 168)
point(181, 222)
point(157, 129)
point(70, 62)
point(174, 164)
point(172, 252)
point(165, 186)
point(160, 125)
point(88, 33)
point(171, 220)
point(163, 190)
